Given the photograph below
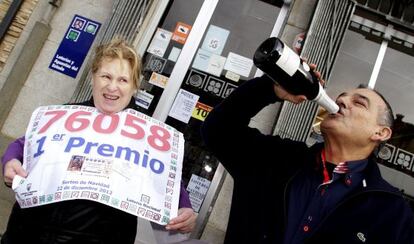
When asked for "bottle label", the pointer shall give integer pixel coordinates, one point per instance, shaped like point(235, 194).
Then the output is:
point(289, 61)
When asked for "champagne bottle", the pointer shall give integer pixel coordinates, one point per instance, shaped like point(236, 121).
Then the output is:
point(286, 68)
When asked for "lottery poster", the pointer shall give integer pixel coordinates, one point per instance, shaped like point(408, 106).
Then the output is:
point(126, 160)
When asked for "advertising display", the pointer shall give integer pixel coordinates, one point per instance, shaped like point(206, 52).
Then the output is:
point(126, 160)
point(75, 46)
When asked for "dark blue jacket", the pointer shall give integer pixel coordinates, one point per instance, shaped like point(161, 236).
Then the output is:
point(264, 166)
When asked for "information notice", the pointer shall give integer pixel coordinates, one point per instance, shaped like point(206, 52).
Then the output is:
point(127, 160)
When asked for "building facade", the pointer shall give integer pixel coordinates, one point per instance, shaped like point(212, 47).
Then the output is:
point(205, 48)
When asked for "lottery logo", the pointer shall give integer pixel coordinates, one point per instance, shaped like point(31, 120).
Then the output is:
point(75, 194)
point(145, 199)
point(387, 152)
point(124, 205)
point(94, 195)
point(66, 194)
point(42, 199)
point(73, 35)
point(49, 198)
point(228, 90)
point(78, 23)
point(404, 159)
point(149, 214)
point(28, 186)
point(58, 195)
point(141, 212)
point(156, 216)
point(196, 79)
point(155, 64)
point(169, 191)
point(91, 28)
point(213, 43)
point(115, 201)
point(85, 194)
point(105, 198)
point(132, 208)
point(214, 86)
point(170, 183)
point(165, 219)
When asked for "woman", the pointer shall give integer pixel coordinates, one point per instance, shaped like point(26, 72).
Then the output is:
point(116, 70)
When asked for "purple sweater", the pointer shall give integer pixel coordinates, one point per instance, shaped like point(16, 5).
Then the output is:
point(15, 150)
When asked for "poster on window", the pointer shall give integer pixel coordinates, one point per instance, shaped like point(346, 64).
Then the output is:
point(160, 42)
point(183, 106)
point(181, 32)
point(215, 39)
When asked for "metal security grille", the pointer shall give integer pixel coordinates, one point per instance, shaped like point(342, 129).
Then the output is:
point(324, 37)
point(400, 12)
point(125, 21)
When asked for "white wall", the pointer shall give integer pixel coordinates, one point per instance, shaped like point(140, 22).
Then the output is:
point(45, 86)
point(398, 179)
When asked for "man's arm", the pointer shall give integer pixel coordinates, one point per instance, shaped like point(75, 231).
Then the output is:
point(227, 134)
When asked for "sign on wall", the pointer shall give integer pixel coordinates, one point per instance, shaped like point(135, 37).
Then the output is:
point(197, 189)
point(75, 45)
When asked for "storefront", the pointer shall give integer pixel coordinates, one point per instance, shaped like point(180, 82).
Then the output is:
point(195, 53)
point(377, 51)
point(200, 52)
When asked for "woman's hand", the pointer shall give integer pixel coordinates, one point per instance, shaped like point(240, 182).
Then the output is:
point(11, 169)
point(184, 222)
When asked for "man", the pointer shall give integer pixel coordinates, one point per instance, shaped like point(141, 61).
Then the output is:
point(285, 192)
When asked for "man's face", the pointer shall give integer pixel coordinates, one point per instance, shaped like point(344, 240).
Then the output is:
point(357, 119)
point(112, 86)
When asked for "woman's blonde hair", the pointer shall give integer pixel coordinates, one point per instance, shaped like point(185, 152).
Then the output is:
point(118, 48)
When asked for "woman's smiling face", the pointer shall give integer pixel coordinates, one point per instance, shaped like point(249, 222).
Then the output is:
point(112, 85)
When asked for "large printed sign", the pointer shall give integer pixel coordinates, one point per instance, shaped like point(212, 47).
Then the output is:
point(126, 160)
point(75, 46)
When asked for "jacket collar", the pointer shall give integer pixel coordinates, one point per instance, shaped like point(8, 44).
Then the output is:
point(372, 179)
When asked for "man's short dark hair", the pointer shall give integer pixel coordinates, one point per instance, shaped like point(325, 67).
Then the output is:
point(387, 116)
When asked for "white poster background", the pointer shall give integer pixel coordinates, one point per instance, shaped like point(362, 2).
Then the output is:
point(160, 42)
point(216, 65)
point(174, 54)
point(183, 105)
point(202, 59)
point(128, 161)
point(215, 39)
point(238, 64)
point(143, 99)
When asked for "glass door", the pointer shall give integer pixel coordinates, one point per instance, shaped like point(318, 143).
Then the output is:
point(209, 46)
